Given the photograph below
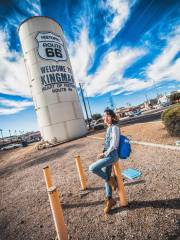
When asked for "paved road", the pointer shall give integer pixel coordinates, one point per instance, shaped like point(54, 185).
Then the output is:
point(146, 117)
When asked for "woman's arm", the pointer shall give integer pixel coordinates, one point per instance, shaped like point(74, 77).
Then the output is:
point(114, 141)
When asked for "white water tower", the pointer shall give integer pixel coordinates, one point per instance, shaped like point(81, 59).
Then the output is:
point(51, 80)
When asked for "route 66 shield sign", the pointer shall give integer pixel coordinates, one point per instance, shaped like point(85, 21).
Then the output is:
point(51, 46)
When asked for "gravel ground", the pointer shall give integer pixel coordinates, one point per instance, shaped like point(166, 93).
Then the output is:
point(153, 132)
point(154, 206)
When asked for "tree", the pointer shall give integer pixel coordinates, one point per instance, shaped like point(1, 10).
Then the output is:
point(153, 101)
point(96, 116)
point(175, 97)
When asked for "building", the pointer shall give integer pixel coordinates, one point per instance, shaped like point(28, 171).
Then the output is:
point(129, 111)
point(164, 100)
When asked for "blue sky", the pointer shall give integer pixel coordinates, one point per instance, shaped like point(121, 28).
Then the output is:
point(117, 48)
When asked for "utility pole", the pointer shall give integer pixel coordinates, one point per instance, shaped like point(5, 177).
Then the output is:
point(155, 89)
point(147, 98)
point(88, 103)
point(2, 135)
point(85, 105)
point(16, 135)
point(10, 135)
point(111, 102)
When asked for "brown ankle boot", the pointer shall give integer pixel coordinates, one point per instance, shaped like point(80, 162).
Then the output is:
point(112, 182)
point(109, 203)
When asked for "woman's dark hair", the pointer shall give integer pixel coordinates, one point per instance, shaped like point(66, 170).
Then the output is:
point(111, 113)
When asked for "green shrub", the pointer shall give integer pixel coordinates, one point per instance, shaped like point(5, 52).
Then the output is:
point(164, 113)
point(168, 109)
point(171, 120)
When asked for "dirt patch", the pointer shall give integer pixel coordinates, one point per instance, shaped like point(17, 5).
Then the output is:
point(25, 213)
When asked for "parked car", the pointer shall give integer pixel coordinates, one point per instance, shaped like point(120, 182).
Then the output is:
point(130, 114)
point(158, 106)
point(165, 104)
point(93, 122)
point(134, 113)
point(137, 112)
point(24, 143)
point(11, 146)
point(99, 124)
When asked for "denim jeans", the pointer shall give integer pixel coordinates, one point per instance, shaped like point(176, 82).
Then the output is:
point(103, 168)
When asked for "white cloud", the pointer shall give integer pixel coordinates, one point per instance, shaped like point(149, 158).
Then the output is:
point(12, 73)
point(29, 8)
point(132, 85)
point(34, 7)
point(121, 11)
point(171, 86)
point(11, 106)
point(13, 76)
point(109, 76)
point(164, 68)
point(82, 53)
point(9, 111)
point(13, 103)
point(128, 93)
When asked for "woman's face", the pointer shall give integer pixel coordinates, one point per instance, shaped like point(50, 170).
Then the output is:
point(107, 119)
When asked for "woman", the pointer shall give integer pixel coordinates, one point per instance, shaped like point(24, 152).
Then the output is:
point(103, 166)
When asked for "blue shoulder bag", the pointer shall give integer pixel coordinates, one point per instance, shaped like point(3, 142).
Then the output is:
point(124, 149)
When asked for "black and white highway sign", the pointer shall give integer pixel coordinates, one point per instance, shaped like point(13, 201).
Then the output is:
point(51, 46)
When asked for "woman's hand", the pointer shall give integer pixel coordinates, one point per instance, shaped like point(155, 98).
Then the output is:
point(100, 155)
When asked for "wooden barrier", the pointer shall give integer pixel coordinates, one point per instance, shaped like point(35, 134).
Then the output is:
point(47, 176)
point(57, 212)
point(121, 190)
point(82, 176)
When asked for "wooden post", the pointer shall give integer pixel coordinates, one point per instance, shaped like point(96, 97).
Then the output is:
point(57, 212)
point(121, 190)
point(82, 176)
point(47, 176)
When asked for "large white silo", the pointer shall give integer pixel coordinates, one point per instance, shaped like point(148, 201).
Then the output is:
point(51, 80)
